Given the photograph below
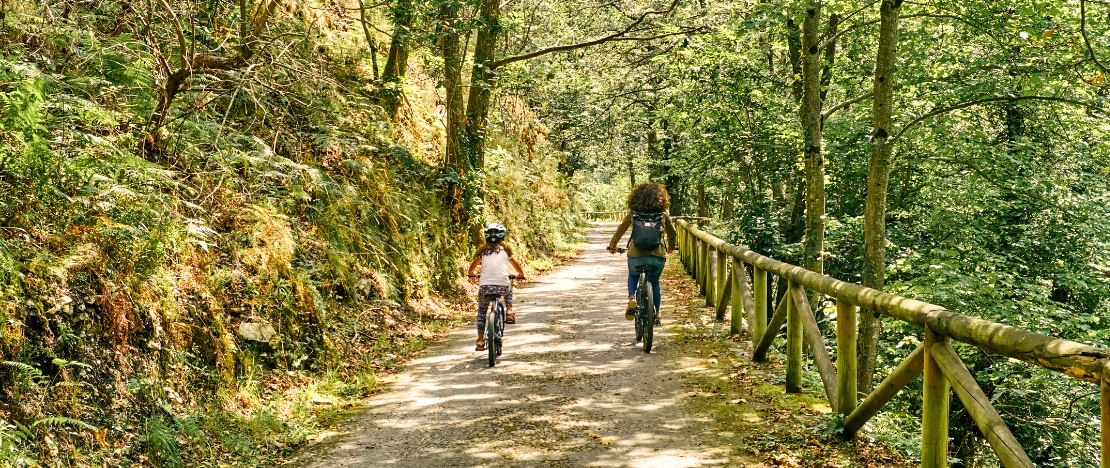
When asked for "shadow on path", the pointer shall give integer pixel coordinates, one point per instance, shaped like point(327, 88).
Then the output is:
point(571, 389)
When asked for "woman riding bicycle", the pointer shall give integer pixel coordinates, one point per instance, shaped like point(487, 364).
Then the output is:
point(647, 205)
point(495, 257)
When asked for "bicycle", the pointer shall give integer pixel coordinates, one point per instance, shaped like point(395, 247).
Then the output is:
point(495, 324)
point(645, 306)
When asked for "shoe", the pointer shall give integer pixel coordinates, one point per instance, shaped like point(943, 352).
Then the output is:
point(480, 345)
point(510, 318)
point(630, 312)
point(657, 322)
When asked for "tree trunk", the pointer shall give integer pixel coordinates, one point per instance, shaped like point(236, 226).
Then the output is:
point(631, 172)
point(483, 78)
point(370, 41)
point(455, 162)
point(397, 62)
point(794, 51)
point(814, 245)
point(673, 180)
point(878, 179)
point(703, 204)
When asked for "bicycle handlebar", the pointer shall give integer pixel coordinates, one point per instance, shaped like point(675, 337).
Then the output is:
point(511, 277)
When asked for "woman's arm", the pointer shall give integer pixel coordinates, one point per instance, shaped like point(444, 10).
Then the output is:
point(620, 232)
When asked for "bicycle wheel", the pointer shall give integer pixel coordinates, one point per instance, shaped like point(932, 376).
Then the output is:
point(491, 334)
point(500, 325)
point(648, 316)
point(640, 310)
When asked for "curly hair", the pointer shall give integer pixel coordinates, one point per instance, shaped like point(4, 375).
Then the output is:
point(649, 197)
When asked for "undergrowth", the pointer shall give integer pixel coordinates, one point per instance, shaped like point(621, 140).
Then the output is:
point(220, 298)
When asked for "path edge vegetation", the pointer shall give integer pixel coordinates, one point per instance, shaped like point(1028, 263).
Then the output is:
point(220, 225)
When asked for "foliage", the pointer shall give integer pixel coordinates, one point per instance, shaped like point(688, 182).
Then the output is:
point(998, 195)
point(144, 220)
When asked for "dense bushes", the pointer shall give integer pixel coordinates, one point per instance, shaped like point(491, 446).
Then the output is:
point(279, 196)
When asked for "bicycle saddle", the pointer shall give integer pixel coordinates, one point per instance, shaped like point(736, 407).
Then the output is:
point(646, 268)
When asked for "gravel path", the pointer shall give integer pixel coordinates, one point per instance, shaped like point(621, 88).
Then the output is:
point(571, 389)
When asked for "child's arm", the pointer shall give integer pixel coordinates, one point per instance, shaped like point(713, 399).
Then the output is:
point(474, 266)
point(519, 270)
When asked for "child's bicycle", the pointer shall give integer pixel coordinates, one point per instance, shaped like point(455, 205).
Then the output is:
point(645, 306)
point(495, 324)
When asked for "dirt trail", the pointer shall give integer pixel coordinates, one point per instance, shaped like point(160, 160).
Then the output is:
point(571, 389)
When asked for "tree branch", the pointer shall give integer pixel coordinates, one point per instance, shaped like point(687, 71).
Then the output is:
point(182, 49)
point(620, 35)
point(1087, 40)
point(832, 110)
point(976, 102)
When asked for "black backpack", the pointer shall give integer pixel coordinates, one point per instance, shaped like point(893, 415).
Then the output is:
point(647, 230)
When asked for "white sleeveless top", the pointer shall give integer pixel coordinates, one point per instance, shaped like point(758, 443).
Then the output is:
point(495, 269)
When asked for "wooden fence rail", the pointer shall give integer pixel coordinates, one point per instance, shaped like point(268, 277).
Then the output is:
point(617, 216)
point(725, 284)
point(610, 216)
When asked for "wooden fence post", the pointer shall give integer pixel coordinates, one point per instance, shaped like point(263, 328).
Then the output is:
point(727, 292)
point(711, 276)
point(846, 356)
point(736, 322)
point(684, 249)
point(703, 266)
point(793, 345)
point(719, 289)
point(695, 262)
point(1105, 421)
point(934, 408)
point(694, 256)
point(759, 283)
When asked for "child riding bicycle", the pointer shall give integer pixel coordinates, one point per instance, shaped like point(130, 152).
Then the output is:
point(647, 205)
point(495, 257)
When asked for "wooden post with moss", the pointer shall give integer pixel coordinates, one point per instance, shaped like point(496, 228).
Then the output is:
point(703, 264)
point(711, 278)
point(1105, 410)
point(722, 277)
point(934, 408)
point(727, 292)
point(794, 337)
point(738, 283)
point(846, 356)
point(759, 283)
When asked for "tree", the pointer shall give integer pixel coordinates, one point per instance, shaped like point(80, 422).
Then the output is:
point(187, 62)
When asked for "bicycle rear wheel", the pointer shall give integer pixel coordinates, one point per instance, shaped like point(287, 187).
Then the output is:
point(640, 309)
point(491, 334)
point(500, 329)
point(648, 316)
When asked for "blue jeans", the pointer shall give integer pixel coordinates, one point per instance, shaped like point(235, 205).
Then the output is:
point(653, 277)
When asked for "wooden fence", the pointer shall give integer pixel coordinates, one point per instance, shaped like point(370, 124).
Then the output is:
point(611, 216)
point(617, 216)
point(721, 272)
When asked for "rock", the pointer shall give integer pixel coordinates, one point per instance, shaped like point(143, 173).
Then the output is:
point(256, 331)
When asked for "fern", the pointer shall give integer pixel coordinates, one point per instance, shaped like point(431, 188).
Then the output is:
point(20, 368)
point(56, 421)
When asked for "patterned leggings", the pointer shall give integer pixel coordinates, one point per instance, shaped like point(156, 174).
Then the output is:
point(483, 301)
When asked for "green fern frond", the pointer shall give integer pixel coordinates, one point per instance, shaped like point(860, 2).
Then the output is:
point(22, 368)
point(56, 421)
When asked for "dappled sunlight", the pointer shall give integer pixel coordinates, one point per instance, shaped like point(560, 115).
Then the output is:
point(572, 388)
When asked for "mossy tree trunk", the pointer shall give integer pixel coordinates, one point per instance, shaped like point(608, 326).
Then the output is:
point(814, 242)
point(456, 163)
point(878, 179)
point(396, 63)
